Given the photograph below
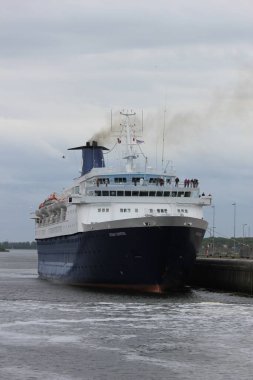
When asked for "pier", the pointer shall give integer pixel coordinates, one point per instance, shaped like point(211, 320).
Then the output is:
point(232, 274)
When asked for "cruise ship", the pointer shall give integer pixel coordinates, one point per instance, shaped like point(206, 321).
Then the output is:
point(121, 226)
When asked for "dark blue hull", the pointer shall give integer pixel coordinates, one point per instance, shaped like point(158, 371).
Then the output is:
point(153, 259)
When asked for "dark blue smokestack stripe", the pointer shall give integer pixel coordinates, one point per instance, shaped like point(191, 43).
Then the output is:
point(93, 156)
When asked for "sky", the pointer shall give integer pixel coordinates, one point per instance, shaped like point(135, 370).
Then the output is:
point(65, 64)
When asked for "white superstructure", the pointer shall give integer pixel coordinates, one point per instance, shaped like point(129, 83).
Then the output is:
point(104, 197)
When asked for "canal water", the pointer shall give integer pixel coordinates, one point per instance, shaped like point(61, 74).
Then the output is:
point(55, 332)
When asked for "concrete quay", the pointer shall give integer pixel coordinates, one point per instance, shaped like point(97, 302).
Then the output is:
point(224, 274)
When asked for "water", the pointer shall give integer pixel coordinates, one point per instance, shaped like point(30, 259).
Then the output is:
point(48, 331)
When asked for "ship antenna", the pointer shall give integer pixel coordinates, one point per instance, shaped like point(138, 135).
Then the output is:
point(163, 137)
point(142, 120)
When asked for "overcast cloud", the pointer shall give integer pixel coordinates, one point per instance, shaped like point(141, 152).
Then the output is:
point(64, 64)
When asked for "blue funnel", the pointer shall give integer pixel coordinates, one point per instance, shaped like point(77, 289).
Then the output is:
point(93, 156)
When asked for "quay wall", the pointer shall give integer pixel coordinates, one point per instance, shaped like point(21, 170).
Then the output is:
point(224, 274)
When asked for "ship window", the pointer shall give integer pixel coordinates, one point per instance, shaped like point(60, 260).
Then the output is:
point(180, 194)
point(186, 211)
point(166, 193)
point(120, 193)
point(143, 193)
point(159, 193)
point(136, 179)
point(105, 193)
point(135, 193)
point(121, 210)
point(120, 180)
point(174, 193)
point(187, 194)
point(152, 193)
point(99, 209)
point(128, 193)
point(153, 180)
point(97, 193)
point(107, 210)
point(168, 180)
point(178, 210)
point(112, 193)
point(103, 209)
point(158, 210)
point(103, 181)
point(150, 210)
point(136, 210)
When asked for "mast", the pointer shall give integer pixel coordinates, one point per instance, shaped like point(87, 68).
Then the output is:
point(128, 129)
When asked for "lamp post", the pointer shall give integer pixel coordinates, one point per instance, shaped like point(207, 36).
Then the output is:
point(245, 224)
point(213, 207)
point(234, 204)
